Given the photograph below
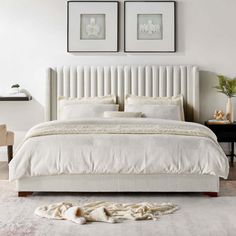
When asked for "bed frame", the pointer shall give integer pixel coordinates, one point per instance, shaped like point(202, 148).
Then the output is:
point(150, 80)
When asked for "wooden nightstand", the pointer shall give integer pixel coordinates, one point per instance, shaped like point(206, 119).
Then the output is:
point(226, 133)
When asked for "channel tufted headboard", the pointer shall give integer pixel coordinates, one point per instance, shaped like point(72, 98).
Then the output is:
point(149, 80)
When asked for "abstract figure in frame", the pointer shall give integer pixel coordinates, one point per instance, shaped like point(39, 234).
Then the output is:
point(92, 29)
point(150, 28)
point(93, 26)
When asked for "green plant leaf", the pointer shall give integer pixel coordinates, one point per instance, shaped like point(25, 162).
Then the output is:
point(226, 85)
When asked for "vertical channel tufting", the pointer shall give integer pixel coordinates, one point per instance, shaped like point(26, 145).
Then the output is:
point(73, 82)
point(120, 86)
point(66, 80)
point(54, 94)
point(114, 80)
point(162, 81)
point(93, 78)
point(196, 95)
point(100, 81)
point(176, 81)
point(183, 86)
point(48, 94)
point(134, 80)
point(60, 82)
point(155, 81)
point(87, 82)
point(117, 80)
point(169, 81)
point(189, 93)
point(141, 81)
point(107, 80)
point(148, 81)
point(80, 81)
point(127, 78)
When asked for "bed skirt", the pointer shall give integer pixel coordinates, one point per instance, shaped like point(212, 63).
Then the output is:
point(120, 183)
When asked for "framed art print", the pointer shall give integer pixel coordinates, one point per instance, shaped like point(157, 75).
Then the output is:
point(92, 26)
point(150, 26)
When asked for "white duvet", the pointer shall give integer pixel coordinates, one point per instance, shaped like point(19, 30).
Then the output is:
point(118, 146)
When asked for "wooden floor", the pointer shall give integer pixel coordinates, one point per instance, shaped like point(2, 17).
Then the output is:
point(232, 172)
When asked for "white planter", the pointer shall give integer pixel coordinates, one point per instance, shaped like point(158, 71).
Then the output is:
point(229, 110)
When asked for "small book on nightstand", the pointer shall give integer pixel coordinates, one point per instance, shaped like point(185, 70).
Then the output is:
point(218, 122)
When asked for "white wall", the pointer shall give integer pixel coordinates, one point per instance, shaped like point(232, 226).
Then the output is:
point(33, 37)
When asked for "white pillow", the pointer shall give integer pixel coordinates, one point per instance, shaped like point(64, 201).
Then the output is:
point(121, 114)
point(63, 101)
point(110, 99)
point(77, 111)
point(174, 100)
point(167, 112)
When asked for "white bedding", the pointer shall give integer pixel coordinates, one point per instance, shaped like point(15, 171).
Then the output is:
point(119, 146)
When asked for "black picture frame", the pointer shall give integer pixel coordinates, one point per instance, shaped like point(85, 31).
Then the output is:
point(97, 51)
point(153, 51)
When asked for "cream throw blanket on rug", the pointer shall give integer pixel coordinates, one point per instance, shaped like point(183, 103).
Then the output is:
point(105, 211)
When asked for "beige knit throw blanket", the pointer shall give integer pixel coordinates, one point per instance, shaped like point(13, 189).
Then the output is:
point(120, 126)
point(105, 211)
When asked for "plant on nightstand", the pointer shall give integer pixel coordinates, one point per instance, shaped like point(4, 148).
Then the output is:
point(227, 86)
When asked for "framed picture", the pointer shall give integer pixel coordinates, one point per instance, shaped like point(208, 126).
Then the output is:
point(150, 26)
point(92, 26)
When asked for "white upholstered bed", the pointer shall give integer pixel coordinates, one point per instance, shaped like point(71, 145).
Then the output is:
point(91, 81)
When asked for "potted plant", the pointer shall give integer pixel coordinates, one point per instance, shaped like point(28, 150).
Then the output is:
point(227, 86)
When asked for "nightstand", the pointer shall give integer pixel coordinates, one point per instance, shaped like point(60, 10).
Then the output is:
point(225, 133)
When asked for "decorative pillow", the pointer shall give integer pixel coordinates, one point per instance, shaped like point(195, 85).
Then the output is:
point(63, 101)
point(77, 111)
point(110, 99)
point(167, 112)
point(122, 114)
point(144, 100)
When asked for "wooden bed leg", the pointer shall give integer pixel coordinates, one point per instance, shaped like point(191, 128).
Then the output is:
point(211, 194)
point(24, 194)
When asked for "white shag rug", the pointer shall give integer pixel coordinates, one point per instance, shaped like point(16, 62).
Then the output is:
point(199, 215)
